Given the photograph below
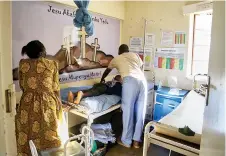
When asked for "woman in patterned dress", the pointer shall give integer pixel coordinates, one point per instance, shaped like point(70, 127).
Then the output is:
point(39, 116)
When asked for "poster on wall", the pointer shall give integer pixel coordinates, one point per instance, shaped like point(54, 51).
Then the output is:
point(145, 55)
point(136, 42)
point(179, 39)
point(167, 38)
point(148, 58)
point(149, 40)
point(49, 22)
point(138, 50)
point(169, 58)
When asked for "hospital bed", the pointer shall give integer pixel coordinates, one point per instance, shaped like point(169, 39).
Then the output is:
point(165, 133)
point(109, 103)
point(90, 108)
point(70, 147)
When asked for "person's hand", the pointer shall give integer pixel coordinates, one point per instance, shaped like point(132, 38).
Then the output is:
point(102, 81)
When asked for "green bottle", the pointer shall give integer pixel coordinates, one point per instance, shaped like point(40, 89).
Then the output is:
point(94, 148)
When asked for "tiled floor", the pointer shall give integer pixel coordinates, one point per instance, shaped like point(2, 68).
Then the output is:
point(153, 151)
point(122, 151)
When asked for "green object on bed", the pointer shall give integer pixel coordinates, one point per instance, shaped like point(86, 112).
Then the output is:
point(186, 131)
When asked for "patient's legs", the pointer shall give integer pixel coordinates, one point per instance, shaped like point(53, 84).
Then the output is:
point(79, 95)
point(70, 97)
point(96, 90)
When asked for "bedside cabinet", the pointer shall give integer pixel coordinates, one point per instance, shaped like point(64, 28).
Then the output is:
point(166, 101)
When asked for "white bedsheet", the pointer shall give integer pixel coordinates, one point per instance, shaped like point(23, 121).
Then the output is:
point(190, 113)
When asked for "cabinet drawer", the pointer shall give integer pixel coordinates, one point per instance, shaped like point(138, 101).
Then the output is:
point(158, 112)
point(169, 106)
point(160, 98)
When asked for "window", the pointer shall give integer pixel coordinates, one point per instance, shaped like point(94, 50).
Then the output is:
point(201, 39)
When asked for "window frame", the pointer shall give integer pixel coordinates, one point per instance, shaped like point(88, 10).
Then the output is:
point(191, 43)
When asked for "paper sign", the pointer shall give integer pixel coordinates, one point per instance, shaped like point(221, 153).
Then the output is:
point(170, 58)
point(148, 58)
point(179, 39)
point(156, 62)
point(146, 55)
point(167, 38)
point(136, 41)
point(149, 40)
point(170, 52)
point(140, 50)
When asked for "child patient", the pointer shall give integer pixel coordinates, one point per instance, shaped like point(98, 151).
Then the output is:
point(113, 87)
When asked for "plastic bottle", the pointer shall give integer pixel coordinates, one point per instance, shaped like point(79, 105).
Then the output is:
point(94, 148)
point(160, 84)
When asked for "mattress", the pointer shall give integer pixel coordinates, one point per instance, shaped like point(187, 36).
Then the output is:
point(189, 113)
point(95, 104)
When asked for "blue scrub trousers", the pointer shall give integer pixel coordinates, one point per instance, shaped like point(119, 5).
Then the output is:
point(134, 99)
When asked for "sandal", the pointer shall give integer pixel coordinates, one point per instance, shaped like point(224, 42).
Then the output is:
point(136, 144)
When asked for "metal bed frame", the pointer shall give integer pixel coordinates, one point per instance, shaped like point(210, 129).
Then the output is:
point(171, 143)
point(90, 118)
point(167, 142)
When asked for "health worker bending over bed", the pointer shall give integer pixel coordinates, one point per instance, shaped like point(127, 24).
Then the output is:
point(113, 87)
point(134, 94)
point(39, 116)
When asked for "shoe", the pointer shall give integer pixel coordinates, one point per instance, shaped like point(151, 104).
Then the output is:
point(186, 131)
point(120, 143)
point(136, 144)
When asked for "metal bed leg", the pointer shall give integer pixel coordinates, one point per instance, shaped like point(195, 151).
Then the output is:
point(88, 138)
point(146, 139)
point(86, 131)
point(146, 145)
point(69, 140)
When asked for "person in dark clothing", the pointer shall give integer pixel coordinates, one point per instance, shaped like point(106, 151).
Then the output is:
point(113, 87)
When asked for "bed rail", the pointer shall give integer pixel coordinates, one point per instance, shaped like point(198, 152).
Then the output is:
point(86, 137)
point(153, 137)
point(203, 88)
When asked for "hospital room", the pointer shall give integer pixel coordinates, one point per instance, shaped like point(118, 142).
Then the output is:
point(112, 78)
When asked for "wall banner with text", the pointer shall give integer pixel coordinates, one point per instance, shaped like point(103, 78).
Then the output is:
point(49, 22)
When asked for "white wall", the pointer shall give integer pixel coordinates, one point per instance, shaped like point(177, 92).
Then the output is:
point(109, 8)
point(213, 138)
point(167, 16)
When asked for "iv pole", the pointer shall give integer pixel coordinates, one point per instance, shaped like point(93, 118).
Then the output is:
point(152, 60)
point(146, 22)
point(145, 25)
